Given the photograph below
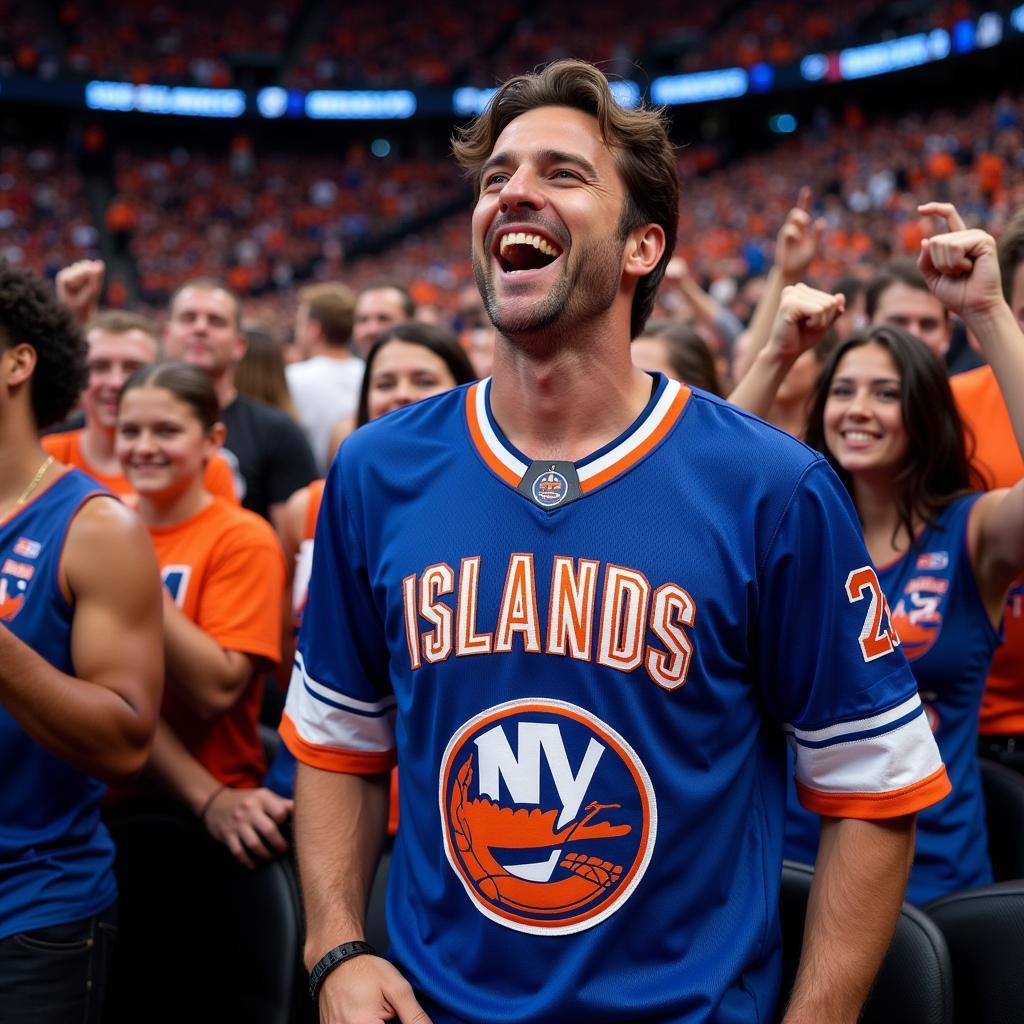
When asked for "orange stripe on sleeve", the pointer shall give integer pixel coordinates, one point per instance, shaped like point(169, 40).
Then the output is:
point(331, 759)
point(871, 806)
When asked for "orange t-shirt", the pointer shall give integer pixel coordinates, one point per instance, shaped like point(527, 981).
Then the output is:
point(225, 570)
point(982, 408)
point(67, 448)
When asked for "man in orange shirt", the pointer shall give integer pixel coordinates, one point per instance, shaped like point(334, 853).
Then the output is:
point(119, 344)
point(996, 455)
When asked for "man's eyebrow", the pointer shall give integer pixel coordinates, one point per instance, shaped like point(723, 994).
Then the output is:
point(544, 156)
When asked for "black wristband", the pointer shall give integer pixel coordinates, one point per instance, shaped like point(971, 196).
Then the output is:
point(331, 959)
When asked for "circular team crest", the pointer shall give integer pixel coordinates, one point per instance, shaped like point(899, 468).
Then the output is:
point(550, 488)
point(549, 816)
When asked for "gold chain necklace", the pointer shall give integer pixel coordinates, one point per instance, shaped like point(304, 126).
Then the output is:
point(35, 481)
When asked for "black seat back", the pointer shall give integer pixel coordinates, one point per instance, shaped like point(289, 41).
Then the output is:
point(914, 985)
point(984, 929)
point(1004, 818)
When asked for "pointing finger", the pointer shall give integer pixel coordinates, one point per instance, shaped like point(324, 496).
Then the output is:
point(947, 211)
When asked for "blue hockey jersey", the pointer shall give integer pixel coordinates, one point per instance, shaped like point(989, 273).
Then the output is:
point(56, 857)
point(586, 672)
point(948, 638)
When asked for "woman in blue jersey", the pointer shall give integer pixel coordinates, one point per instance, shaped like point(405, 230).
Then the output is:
point(946, 550)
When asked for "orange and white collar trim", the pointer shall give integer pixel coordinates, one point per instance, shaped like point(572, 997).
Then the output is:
point(625, 451)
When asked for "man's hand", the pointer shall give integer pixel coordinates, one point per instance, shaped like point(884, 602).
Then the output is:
point(798, 239)
point(79, 287)
point(804, 316)
point(368, 990)
point(247, 822)
point(961, 266)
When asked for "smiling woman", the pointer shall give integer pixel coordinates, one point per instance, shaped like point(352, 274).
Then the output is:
point(946, 550)
point(410, 362)
point(883, 404)
point(223, 576)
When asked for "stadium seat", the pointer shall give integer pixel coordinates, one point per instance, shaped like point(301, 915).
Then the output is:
point(200, 937)
point(1004, 818)
point(914, 985)
point(984, 929)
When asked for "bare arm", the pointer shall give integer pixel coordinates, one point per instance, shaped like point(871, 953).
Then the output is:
point(246, 821)
point(102, 720)
point(856, 895)
point(79, 286)
point(795, 248)
point(803, 317)
point(208, 677)
point(725, 325)
point(340, 822)
point(962, 269)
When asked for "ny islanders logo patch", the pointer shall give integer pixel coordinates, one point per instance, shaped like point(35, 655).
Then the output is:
point(549, 816)
point(550, 489)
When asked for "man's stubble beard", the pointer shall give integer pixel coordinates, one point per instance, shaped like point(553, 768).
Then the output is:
point(586, 288)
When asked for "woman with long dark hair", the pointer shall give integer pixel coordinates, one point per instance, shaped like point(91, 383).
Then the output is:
point(946, 550)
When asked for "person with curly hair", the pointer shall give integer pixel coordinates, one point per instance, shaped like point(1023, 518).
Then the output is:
point(81, 671)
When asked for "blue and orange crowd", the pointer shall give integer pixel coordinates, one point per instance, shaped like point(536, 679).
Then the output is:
point(218, 241)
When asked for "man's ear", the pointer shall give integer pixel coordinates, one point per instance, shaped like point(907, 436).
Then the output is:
point(19, 362)
point(218, 432)
point(645, 245)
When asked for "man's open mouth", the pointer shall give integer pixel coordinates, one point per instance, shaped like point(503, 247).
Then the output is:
point(522, 250)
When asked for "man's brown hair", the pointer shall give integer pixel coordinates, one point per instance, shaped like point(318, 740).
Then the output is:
point(1011, 252)
point(208, 284)
point(638, 140)
point(118, 321)
point(902, 270)
point(333, 307)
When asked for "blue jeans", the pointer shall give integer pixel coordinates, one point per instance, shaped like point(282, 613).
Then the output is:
point(58, 974)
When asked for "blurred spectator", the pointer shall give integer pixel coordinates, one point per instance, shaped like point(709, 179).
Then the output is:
point(677, 351)
point(379, 305)
point(260, 372)
point(271, 455)
point(325, 386)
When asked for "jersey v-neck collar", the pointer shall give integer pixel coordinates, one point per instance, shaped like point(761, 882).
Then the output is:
point(615, 458)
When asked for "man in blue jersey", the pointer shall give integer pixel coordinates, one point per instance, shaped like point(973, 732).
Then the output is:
point(583, 606)
point(80, 674)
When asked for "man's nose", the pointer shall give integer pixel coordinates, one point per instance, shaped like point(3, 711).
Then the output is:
point(521, 190)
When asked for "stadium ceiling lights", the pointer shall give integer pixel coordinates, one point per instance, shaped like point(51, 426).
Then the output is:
point(968, 35)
